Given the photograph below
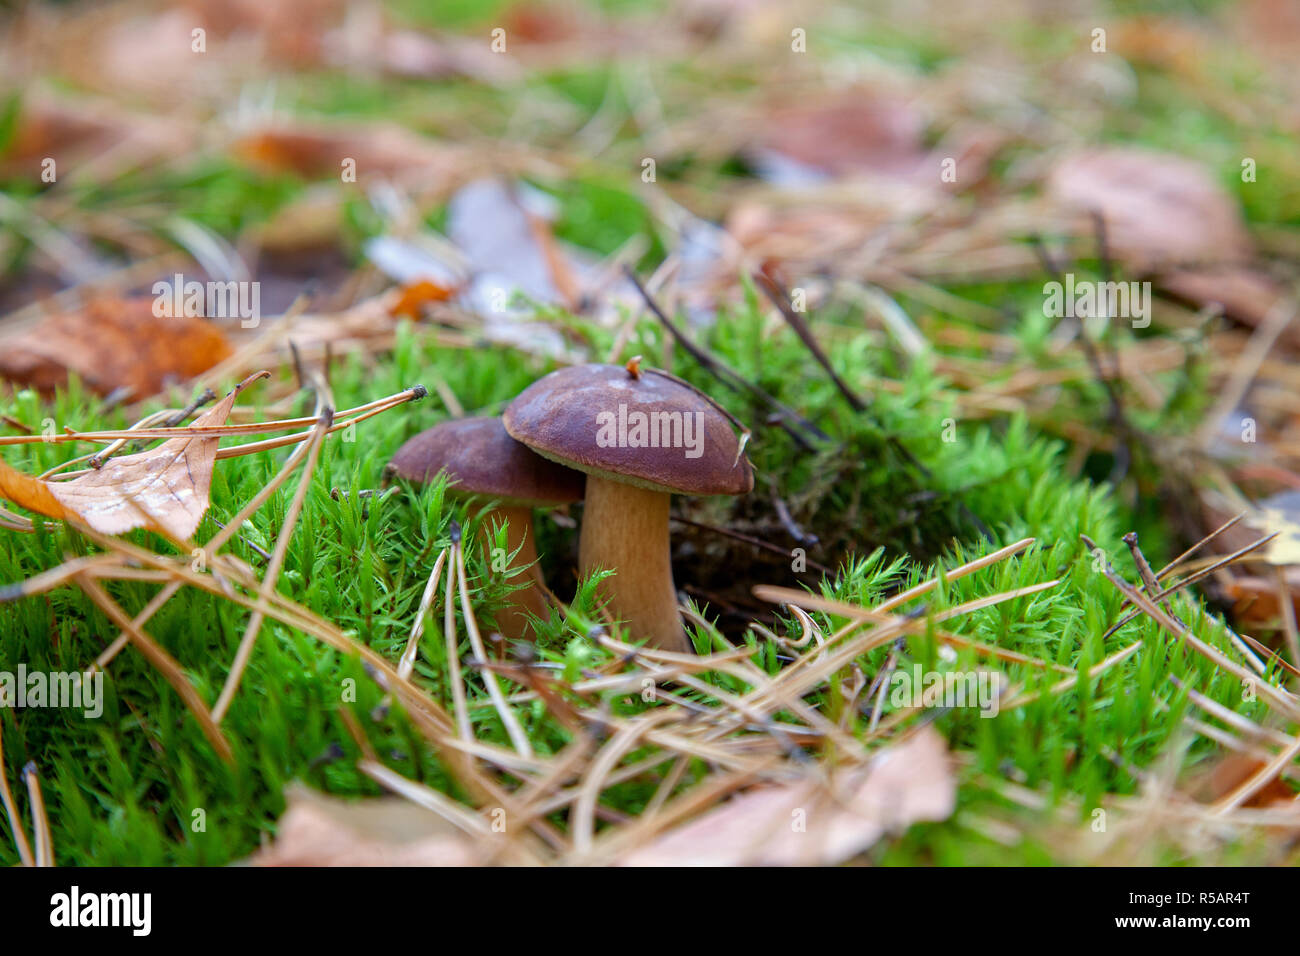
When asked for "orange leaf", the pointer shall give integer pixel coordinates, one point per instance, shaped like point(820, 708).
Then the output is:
point(112, 343)
point(418, 294)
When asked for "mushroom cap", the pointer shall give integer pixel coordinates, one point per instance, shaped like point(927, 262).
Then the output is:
point(481, 459)
point(585, 417)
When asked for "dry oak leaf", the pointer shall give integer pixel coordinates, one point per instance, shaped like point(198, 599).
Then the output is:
point(164, 489)
point(112, 343)
point(317, 830)
point(805, 823)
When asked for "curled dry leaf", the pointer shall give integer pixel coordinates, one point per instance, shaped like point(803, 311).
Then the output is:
point(111, 344)
point(317, 830)
point(501, 244)
point(539, 24)
point(164, 489)
point(805, 823)
point(750, 20)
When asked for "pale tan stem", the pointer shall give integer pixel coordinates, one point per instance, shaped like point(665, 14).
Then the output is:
point(514, 620)
point(625, 529)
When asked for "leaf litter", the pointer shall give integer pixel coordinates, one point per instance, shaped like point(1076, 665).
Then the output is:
point(811, 222)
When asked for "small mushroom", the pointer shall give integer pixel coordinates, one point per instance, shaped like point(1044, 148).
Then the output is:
point(641, 436)
point(480, 459)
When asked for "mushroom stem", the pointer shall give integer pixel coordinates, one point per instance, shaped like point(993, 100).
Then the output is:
point(513, 620)
point(625, 529)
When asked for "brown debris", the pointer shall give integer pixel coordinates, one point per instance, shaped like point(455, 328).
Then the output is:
point(111, 344)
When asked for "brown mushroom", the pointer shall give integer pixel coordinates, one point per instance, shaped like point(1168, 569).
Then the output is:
point(641, 436)
point(481, 460)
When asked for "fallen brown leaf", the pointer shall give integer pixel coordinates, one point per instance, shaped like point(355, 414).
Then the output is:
point(111, 344)
point(46, 125)
point(1160, 210)
point(378, 151)
point(317, 830)
point(165, 488)
point(1244, 294)
point(91, 138)
point(904, 784)
point(1234, 770)
point(1255, 599)
point(851, 134)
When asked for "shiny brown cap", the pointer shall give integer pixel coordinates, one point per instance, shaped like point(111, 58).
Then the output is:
point(481, 459)
point(642, 428)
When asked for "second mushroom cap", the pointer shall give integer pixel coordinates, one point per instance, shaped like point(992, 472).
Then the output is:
point(480, 458)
